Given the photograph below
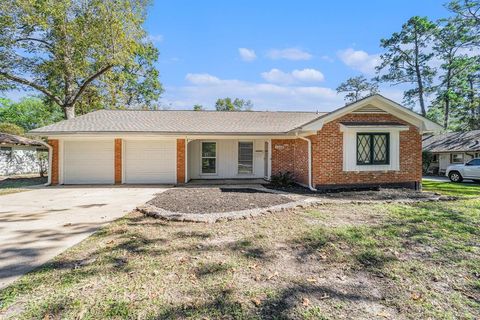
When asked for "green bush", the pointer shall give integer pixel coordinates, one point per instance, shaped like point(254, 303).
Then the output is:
point(11, 128)
point(283, 179)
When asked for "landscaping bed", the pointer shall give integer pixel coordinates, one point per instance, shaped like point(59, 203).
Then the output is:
point(380, 194)
point(212, 200)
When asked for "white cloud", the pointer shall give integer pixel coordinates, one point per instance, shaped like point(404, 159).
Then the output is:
point(305, 75)
point(360, 60)
point(289, 54)
point(202, 79)
point(205, 89)
point(247, 54)
point(308, 75)
point(155, 38)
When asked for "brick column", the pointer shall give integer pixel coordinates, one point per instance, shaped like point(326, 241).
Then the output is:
point(181, 161)
point(54, 169)
point(118, 161)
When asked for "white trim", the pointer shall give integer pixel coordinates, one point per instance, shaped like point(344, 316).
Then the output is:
point(253, 158)
point(350, 150)
point(424, 124)
point(201, 158)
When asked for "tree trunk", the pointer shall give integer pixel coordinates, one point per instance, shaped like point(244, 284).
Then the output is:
point(419, 79)
point(69, 111)
point(447, 112)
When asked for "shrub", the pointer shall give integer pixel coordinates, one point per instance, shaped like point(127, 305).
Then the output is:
point(283, 179)
point(11, 128)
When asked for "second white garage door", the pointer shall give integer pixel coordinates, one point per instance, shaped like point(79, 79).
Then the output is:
point(150, 161)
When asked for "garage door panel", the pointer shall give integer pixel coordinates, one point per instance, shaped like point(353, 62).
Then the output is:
point(88, 162)
point(150, 161)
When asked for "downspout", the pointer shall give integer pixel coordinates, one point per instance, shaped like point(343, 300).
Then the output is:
point(309, 143)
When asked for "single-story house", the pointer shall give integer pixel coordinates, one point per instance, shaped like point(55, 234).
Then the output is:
point(20, 155)
point(374, 141)
point(451, 148)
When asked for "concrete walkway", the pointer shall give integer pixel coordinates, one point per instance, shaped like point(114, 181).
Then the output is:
point(37, 225)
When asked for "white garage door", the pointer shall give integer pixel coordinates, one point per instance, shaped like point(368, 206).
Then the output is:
point(150, 161)
point(88, 162)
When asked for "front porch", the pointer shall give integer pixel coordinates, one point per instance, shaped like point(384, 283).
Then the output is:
point(227, 161)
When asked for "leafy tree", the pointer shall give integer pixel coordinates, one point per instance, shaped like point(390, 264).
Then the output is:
point(11, 128)
point(357, 88)
point(226, 104)
point(406, 60)
point(30, 113)
point(198, 107)
point(60, 48)
point(468, 12)
point(456, 65)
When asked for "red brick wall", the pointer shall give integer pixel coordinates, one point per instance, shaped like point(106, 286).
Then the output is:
point(180, 161)
point(54, 169)
point(328, 155)
point(291, 155)
point(118, 161)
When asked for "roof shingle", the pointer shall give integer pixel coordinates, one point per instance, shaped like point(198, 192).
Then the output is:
point(453, 141)
point(181, 122)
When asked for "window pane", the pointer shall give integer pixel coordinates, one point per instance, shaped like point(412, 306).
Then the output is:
point(363, 149)
point(209, 149)
point(209, 165)
point(457, 157)
point(380, 144)
point(245, 157)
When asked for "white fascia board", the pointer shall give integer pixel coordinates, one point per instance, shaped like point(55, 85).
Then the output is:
point(393, 108)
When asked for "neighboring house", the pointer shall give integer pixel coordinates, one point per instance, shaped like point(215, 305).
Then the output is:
point(371, 142)
point(20, 155)
point(452, 148)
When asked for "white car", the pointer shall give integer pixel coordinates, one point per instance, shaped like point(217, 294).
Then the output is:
point(469, 170)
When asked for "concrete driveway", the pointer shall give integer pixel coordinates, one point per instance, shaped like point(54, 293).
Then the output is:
point(37, 225)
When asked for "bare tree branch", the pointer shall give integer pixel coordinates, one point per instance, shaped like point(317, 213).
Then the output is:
point(33, 85)
point(88, 81)
point(46, 43)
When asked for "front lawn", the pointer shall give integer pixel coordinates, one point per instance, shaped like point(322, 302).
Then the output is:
point(15, 184)
point(352, 261)
point(452, 189)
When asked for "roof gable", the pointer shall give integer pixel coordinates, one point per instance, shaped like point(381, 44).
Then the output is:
point(375, 104)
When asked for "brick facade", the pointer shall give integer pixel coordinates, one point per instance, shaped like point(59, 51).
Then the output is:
point(291, 155)
point(180, 161)
point(118, 161)
point(54, 169)
point(327, 156)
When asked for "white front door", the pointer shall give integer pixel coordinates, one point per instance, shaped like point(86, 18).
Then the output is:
point(150, 161)
point(88, 162)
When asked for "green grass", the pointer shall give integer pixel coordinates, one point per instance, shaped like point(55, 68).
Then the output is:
point(452, 189)
point(18, 184)
point(413, 261)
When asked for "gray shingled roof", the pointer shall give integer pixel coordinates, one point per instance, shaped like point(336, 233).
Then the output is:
point(453, 141)
point(6, 138)
point(181, 122)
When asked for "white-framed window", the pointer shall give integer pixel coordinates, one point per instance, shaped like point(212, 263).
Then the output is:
point(209, 157)
point(373, 148)
point(245, 157)
point(456, 158)
point(435, 158)
point(477, 154)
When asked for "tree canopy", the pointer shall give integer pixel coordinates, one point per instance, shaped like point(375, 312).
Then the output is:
point(67, 48)
point(227, 104)
point(357, 88)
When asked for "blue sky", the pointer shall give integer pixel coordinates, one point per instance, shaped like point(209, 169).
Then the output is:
point(283, 55)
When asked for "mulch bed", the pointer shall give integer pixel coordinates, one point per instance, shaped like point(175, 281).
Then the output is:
point(365, 195)
point(212, 200)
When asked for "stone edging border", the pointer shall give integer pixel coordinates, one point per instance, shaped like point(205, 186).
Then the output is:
point(301, 202)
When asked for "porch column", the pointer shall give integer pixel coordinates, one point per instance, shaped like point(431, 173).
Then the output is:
point(118, 161)
point(181, 149)
point(53, 170)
